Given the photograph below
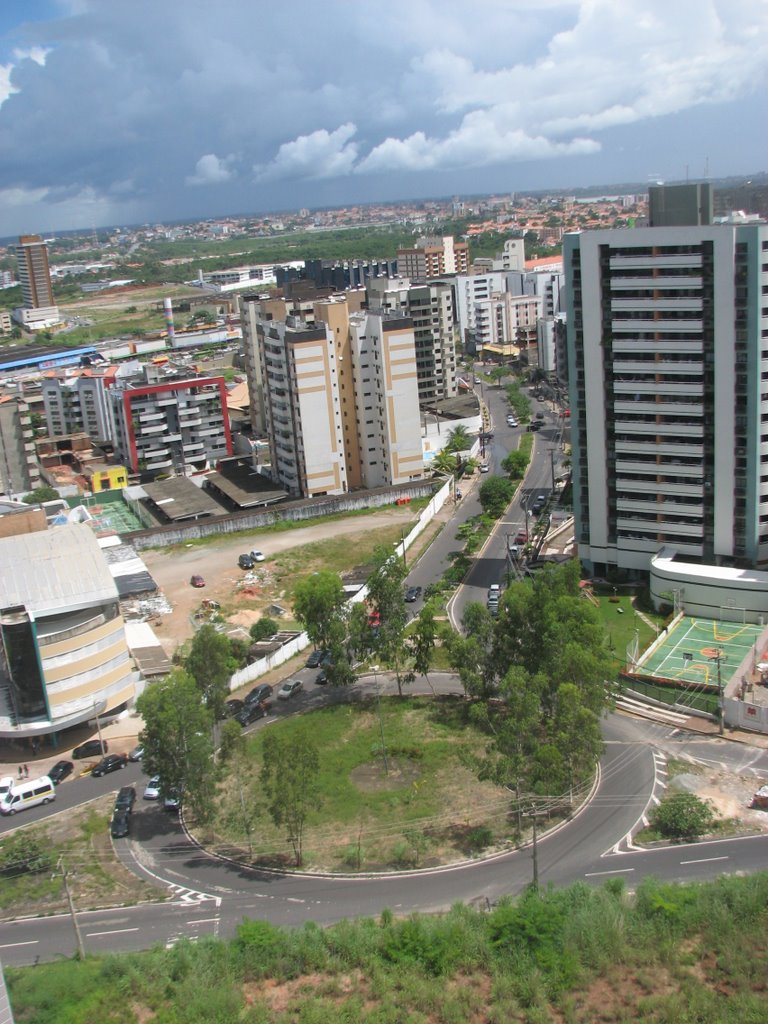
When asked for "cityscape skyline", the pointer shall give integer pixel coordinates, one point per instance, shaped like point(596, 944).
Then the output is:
point(145, 113)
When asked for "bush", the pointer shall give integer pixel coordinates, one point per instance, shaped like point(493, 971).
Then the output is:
point(683, 816)
point(479, 838)
point(263, 629)
point(25, 853)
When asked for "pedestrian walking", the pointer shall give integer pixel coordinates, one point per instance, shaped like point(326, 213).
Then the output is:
point(21, 772)
point(26, 771)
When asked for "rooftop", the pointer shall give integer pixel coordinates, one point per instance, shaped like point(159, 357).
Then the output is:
point(55, 570)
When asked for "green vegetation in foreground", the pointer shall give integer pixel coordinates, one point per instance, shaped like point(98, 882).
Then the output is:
point(669, 954)
point(424, 811)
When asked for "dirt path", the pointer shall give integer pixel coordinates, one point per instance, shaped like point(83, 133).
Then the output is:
point(217, 564)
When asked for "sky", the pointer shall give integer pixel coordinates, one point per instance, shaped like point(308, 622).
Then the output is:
point(147, 111)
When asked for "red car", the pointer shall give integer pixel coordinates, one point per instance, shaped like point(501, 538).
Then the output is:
point(197, 581)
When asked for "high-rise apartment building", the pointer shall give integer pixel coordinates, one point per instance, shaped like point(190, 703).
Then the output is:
point(430, 307)
point(19, 468)
point(433, 257)
point(172, 426)
point(38, 309)
point(76, 402)
point(668, 366)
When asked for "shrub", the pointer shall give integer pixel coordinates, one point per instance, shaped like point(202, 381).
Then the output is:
point(683, 816)
point(25, 853)
point(479, 838)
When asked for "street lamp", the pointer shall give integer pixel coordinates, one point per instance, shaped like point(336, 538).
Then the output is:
point(718, 658)
point(381, 723)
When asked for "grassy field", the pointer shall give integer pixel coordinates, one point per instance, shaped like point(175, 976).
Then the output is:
point(423, 810)
point(667, 954)
point(620, 621)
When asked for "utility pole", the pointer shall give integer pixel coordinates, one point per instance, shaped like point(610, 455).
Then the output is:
point(717, 658)
point(534, 816)
point(75, 925)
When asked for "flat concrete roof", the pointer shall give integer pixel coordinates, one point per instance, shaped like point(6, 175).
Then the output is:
point(178, 498)
point(55, 570)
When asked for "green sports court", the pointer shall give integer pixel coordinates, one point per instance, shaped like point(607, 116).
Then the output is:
point(687, 654)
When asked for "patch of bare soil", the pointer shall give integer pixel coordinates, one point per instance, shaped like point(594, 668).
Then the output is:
point(730, 794)
point(372, 777)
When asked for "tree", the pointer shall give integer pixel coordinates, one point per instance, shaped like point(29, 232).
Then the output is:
point(575, 732)
point(263, 629)
point(209, 664)
point(498, 373)
point(289, 779)
point(24, 852)
point(317, 603)
point(471, 652)
point(446, 462)
point(385, 598)
point(424, 641)
point(177, 739)
point(41, 494)
point(495, 494)
point(515, 464)
point(459, 439)
point(682, 816)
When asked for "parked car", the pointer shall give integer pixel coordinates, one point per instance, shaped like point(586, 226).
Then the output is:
point(521, 537)
point(172, 801)
point(539, 415)
point(197, 581)
point(245, 562)
point(536, 425)
point(250, 713)
point(315, 658)
point(258, 556)
point(233, 707)
point(91, 748)
point(484, 467)
point(137, 753)
point(538, 505)
point(514, 551)
point(152, 788)
point(511, 421)
point(60, 771)
point(110, 763)
point(289, 689)
point(125, 800)
point(259, 694)
point(121, 824)
point(412, 594)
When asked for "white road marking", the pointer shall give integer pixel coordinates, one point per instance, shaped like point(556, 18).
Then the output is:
point(703, 860)
point(12, 945)
point(617, 871)
point(205, 920)
point(115, 931)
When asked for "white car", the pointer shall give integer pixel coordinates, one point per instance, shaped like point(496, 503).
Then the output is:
point(484, 467)
point(152, 788)
point(511, 421)
point(289, 688)
point(258, 556)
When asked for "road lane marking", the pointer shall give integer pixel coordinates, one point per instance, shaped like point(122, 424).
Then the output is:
point(617, 871)
point(703, 860)
point(115, 931)
point(11, 945)
point(205, 920)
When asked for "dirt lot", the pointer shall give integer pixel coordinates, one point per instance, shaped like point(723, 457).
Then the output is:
point(217, 564)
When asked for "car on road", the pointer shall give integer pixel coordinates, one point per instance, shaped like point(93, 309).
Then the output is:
point(121, 824)
point(125, 800)
point(412, 594)
point(514, 551)
point(538, 505)
point(110, 763)
point(137, 753)
point(477, 380)
point(91, 748)
point(539, 415)
point(536, 425)
point(172, 800)
point(259, 694)
point(258, 556)
point(250, 713)
point(484, 467)
point(289, 689)
point(197, 581)
point(521, 537)
point(245, 562)
point(152, 788)
point(233, 707)
point(60, 771)
point(511, 421)
point(316, 658)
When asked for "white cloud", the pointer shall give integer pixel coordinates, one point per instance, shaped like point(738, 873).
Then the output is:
point(35, 53)
point(210, 170)
point(321, 154)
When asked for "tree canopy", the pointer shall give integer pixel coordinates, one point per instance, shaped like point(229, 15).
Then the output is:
point(317, 603)
point(495, 494)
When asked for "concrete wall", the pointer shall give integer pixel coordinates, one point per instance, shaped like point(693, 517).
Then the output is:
point(259, 518)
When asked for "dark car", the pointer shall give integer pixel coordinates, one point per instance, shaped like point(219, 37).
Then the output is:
point(538, 505)
point(91, 748)
point(121, 824)
point(108, 764)
point(315, 658)
point(60, 771)
point(245, 562)
point(137, 753)
point(322, 676)
point(126, 798)
point(536, 425)
point(197, 581)
point(412, 594)
point(250, 713)
point(259, 694)
point(233, 707)
point(539, 415)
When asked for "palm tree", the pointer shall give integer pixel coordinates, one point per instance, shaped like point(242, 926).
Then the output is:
point(459, 439)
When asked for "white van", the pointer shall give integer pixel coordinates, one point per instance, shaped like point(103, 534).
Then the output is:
point(27, 794)
point(6, 785)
